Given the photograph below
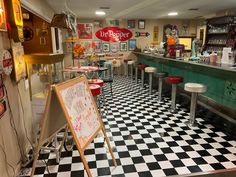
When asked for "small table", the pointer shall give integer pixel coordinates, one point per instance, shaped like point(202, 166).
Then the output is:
point(82, 69)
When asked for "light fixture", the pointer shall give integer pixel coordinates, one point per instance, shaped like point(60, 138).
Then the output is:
point(100, 13)
point(172, 13)
point(1, 9)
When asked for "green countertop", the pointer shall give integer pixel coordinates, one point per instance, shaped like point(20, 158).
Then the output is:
point(219, 78)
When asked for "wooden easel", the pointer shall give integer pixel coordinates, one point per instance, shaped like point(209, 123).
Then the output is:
point(51, 124)
point(81, 113)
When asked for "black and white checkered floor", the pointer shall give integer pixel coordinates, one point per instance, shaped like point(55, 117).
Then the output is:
point(147, 140)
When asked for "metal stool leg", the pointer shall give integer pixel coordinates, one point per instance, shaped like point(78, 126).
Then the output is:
point(127, 70)
point(104, 100)
point(142, 77)
point(131, 72)
point(150, 83)
point(160, 89)
point(192, 122)
point(136, 75)
point(173, 97)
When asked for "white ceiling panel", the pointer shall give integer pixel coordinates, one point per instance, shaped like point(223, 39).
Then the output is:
point(147, 9)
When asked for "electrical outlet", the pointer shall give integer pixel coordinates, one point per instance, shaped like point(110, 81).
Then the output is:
point(26, 84)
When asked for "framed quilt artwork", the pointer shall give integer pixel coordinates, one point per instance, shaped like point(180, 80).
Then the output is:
point(106, 47)
point(85, 30)
point(98, 47)
point(114, 47)
point(123, 46)
point(132, 44)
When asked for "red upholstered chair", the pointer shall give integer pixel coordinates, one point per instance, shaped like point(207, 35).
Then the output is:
point(174, 81)
point(140, 67)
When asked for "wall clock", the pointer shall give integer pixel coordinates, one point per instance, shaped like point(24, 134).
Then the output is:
point(28, 33)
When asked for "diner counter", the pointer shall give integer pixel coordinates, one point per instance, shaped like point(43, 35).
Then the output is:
point(219, 78)
point(226, 67)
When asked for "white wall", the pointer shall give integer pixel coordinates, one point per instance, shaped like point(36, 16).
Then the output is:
point(16, 122)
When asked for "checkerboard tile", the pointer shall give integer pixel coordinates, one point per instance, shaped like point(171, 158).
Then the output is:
point(147, 140)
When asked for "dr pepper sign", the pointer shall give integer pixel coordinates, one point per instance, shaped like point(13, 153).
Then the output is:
point(113, 34)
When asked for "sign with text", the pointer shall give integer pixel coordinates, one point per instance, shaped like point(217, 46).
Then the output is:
point(114, 34)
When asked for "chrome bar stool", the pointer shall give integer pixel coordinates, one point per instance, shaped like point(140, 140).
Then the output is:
point(126, 66)
point(101, 84)
point(96, 91)
point(150, 71)
point(174, 81)
point(160, 76)
point(130, 64)
point(140, 67)
point(194, 89)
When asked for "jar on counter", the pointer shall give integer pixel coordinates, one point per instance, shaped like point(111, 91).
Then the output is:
point(213, 57)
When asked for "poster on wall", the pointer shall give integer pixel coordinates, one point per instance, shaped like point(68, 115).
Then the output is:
point(3, 25)
point(123, 46)
point(106, 47)
point(98, 46)
point(155, 34)
point(87, 46)
point(85, 30)
point(132, 44)
point(114, 47)
point(19, 69)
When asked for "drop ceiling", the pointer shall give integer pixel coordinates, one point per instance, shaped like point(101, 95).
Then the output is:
point(146, 9)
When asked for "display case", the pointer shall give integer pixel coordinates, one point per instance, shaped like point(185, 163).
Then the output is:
point(220, 33)
point(48, 60)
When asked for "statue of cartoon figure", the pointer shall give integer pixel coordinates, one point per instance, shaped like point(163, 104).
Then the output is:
point(195, 48)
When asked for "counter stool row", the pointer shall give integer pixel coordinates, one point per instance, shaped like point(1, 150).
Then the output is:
point(193, 88)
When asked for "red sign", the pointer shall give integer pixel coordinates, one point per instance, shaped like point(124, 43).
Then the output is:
point(114, 34)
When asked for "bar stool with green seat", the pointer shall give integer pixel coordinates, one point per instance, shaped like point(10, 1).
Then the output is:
point(161, 76)
point(140, 67)
point(194, 89)
point(150, 71)
point(107, 76)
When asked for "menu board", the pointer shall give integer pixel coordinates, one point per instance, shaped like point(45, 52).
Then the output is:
point(80, 109)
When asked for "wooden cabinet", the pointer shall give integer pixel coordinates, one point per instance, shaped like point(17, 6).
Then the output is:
point(220, 33)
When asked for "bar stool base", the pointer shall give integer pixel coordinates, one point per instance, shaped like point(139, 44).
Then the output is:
point(173, 110)
point(190, 124)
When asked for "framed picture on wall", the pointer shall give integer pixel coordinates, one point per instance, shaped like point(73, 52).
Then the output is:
point(132, 44)
point(131, 24)
point(85, 30)
point(141, 24)
point(98, 46)
point(123, 46)
point(115, 47)
point(106, 47)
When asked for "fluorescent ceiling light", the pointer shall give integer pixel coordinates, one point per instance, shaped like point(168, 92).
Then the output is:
point(100, 13)
point(173, 13)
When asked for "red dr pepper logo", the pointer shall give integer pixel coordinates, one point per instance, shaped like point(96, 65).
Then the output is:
point(114, 34)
